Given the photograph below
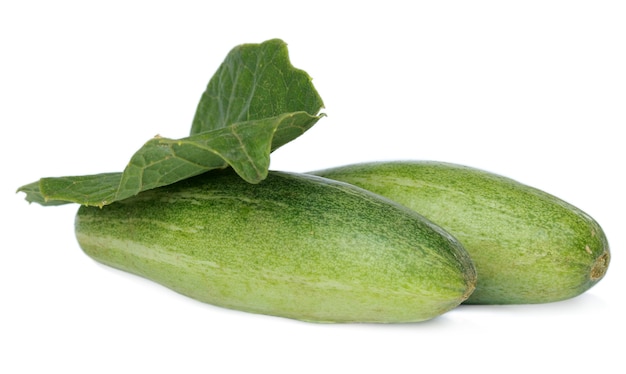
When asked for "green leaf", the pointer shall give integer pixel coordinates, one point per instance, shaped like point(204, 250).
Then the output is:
point(254, 82)
point(229, 129)
point(84, 189)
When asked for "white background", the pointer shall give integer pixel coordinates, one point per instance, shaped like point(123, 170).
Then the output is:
point(534, 90)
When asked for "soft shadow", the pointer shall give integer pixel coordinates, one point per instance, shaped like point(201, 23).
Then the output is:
point(586, 301)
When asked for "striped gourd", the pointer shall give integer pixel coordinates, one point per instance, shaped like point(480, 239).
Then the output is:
point(294, 245)
point(528, 246)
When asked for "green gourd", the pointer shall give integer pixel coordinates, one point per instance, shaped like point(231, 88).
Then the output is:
point(527, 245)
point(294, 245)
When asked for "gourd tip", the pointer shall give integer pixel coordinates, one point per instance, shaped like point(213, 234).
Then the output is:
point(600, 266)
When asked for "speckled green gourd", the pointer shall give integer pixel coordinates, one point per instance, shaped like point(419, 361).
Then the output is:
point(527, 246)
point(295, 246)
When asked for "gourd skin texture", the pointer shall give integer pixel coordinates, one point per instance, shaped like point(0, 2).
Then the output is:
point(528, 246)
point(295, 246)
